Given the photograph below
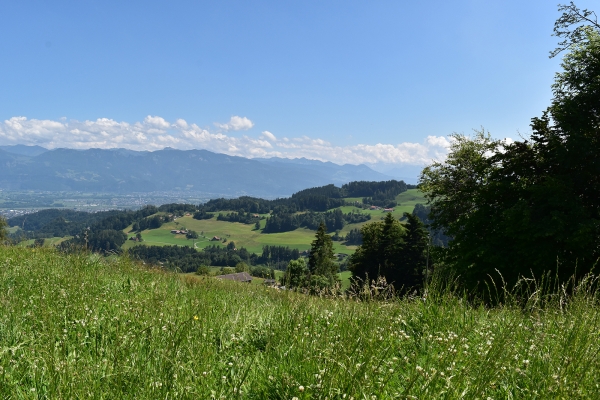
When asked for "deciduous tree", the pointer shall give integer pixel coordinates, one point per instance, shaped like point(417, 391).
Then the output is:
point(532, 206)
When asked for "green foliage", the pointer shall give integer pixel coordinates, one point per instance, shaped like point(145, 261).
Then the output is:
point(318, 199)
point(177, 208)
point(244, 218)
point(574, 27)
point(392, 251)
point(191, 234)
point(242, 267)
point(187, 259)
point(334, 220)
point(296, 274)
point(202, 214)
point(3, 231)
point(414, 251)
point(320, 258)
point(277, 256)
point(262, 272)
point(203, 270)
point(437, 237)
point(354, 237)
point(378, 190)
point(227, 271)
point(529, 207)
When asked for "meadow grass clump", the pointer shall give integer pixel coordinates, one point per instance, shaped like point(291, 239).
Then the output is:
point(81, 325)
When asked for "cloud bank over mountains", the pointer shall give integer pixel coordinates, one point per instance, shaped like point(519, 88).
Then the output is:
point(155, 133)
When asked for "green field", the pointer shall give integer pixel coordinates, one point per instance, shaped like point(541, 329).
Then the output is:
point(246, 236)
point(243, 235)
point(82, 326)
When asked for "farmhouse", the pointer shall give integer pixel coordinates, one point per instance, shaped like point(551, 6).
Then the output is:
point(239, 277)
point(215, 239)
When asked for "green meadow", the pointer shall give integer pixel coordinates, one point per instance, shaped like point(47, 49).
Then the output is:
point(246, 236)
point(82, 326)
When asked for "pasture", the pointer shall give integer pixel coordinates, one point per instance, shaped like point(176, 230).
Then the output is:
point(82, 326)
point(243, 235)
point(246, 236)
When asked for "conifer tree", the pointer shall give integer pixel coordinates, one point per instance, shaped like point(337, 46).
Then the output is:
point(320, 259)
point(3, 226)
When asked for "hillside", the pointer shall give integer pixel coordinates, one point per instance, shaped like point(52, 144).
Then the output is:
point(116, 231)
point(78, 326)
point(245, 235)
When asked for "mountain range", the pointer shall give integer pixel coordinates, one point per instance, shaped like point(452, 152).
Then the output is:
point(200, 171)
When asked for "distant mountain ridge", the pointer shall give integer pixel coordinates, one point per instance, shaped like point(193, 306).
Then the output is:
point(121, 170)
point(23, 150)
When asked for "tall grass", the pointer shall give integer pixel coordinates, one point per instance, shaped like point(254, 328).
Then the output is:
point(81, 326)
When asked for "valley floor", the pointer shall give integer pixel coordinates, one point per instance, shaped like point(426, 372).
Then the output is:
point(84, 326)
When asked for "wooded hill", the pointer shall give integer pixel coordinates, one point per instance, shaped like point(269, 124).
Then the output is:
point(268, 219)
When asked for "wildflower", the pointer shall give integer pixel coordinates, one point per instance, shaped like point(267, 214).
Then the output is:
point(195, 318)
point(301, 388)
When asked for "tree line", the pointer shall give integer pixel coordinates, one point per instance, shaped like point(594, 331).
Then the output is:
point(333, 220)
point(188, 259)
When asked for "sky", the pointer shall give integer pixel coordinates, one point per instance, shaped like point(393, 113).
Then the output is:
point(377, 82)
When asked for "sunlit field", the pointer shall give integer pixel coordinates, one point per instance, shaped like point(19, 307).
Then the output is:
point(244, 235)
point(83, 326)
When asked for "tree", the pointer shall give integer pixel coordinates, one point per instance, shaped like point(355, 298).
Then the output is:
point(242, 267)
point(3, 234)
point(226, 271)
point(296, 274)
point(321, 258)
point(392, 251)
point(191, 235)
point(138, 236)
point(203, 270)
point(414, 251)
point(529, 207)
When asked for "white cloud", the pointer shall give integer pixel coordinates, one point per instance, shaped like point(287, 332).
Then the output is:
point(181, 123)
point(236, 124)
point(157, 122)
point(269, 136)
point(155, 133)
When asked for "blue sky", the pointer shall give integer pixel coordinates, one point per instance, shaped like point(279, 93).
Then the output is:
point(377, 82)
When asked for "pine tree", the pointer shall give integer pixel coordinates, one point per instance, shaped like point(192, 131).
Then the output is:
point(392, 251)
point(320, 259)
point(414, 256)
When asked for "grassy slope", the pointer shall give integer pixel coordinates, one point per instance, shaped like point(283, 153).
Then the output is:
point(245, 236)
point(81, 326)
